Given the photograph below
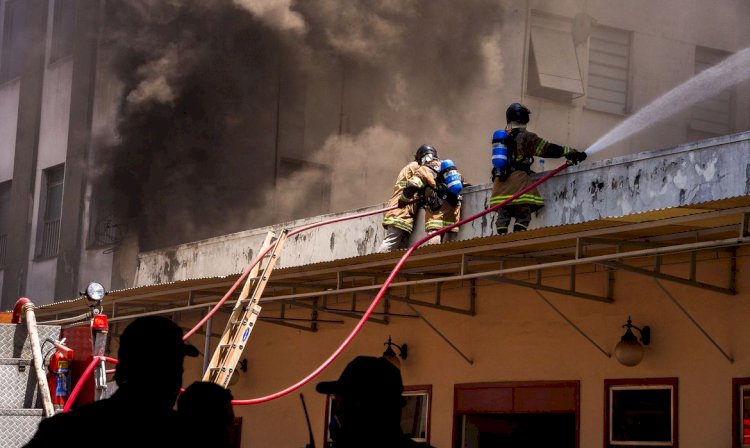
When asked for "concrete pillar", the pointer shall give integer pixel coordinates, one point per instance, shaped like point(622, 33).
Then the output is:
point(25, 160)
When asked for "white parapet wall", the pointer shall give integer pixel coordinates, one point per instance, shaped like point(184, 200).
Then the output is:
point(681, 176)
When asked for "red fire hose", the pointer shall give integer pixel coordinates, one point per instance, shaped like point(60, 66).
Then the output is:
point(86, 373)
point(385, 286)
point(365, 316)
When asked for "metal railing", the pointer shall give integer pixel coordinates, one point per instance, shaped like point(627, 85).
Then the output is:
point(50, 238)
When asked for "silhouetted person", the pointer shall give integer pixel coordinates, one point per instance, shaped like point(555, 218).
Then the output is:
point(140, 413)
point(368, 406)
point(205, 411)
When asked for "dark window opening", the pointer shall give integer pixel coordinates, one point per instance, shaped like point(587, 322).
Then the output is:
point(526, 430)
point(11, 58)
point(641, 412)
point(51, 207)
point(534, 414)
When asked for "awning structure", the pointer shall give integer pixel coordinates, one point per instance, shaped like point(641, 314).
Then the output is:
point(635, 243)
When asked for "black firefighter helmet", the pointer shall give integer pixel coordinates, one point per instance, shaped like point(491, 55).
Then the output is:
point(517, 112)
point(423, 151)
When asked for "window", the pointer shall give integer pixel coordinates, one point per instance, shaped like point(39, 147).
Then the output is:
point(415, 416)
point(11, 58)
point(609, 70)
point(4, 220)
point(741, 413)
point(711, 117)
point(62, 29)
point(553, 69)
point(528, 413)
point(51, 206)
point(641, 412)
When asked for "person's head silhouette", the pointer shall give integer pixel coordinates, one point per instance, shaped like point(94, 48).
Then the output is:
point(150, 357)
point(368, 401)
point(206, 411)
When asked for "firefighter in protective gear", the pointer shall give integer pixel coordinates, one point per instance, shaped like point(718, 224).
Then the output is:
point(522, 147)
point(421, 178)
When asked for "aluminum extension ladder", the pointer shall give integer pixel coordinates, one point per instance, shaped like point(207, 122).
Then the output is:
point(245, 313)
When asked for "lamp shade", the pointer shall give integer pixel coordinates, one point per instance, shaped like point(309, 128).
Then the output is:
point(629, 352)
point(391, 356)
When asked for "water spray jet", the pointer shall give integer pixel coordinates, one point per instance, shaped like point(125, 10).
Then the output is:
point(730, 71)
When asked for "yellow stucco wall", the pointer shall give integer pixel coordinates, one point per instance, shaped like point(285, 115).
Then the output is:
point(516, 336)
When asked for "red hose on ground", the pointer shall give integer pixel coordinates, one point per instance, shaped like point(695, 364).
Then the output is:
point(84, 376)
point(385, 286)
point(263, 254)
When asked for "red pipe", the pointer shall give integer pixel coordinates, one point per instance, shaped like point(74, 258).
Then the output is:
point(263, 254)
point(385, 286)
point(84, 376)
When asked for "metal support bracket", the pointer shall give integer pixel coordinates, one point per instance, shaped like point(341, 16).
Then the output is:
point(570, 322)
point(695, 322)
point(538, 286)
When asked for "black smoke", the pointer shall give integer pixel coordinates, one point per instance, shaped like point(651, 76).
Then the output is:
point(214, 92)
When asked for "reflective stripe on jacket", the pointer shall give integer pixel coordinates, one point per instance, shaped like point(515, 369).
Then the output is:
point(527, 146)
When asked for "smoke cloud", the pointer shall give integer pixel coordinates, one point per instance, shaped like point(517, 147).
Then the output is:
point(234, 115)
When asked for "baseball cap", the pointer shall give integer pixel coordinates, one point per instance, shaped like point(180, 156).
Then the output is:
point(366, 375)
point(151, 336)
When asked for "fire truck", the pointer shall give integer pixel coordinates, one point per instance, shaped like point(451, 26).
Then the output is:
point(41, 364)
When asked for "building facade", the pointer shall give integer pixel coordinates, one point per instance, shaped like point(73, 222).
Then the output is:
point(513, 338)
point(509, 337)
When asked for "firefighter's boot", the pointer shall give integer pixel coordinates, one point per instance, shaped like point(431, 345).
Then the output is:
point(503, 220)
point(523, 218)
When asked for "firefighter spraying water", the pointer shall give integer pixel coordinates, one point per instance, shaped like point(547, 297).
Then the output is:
point(513, 152)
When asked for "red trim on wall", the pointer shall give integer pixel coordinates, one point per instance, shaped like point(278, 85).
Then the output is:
point(737, 383)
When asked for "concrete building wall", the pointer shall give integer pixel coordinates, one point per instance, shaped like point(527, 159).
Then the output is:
point(53, 137)
point(8, 121)
point(53, 133)
point(516, 336)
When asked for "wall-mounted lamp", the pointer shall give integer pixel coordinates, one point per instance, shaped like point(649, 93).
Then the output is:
point(629, 352)
point(390, 354)
point(241, 367)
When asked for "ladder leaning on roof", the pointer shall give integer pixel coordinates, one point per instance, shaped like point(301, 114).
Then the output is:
point(245, 313)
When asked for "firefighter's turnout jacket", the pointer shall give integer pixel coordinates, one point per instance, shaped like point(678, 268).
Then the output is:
point(439, 212)
point(523, 146)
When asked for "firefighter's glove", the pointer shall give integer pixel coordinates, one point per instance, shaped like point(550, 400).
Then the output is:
point(403, 202)
point(576, 156)
point(441, 191)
